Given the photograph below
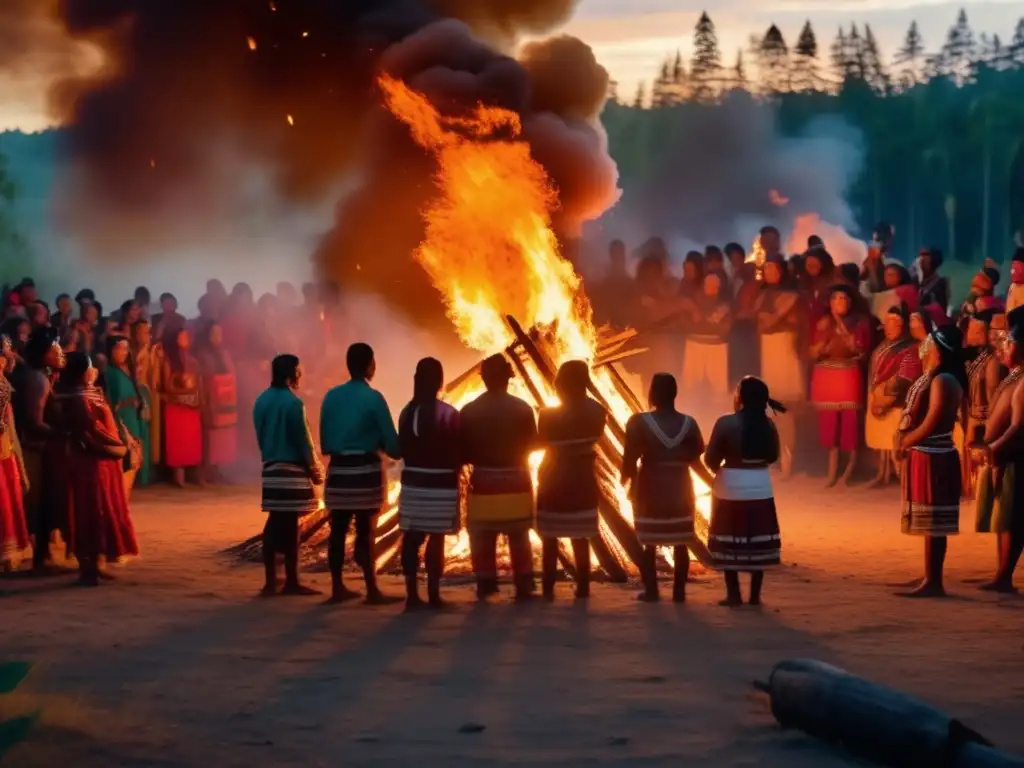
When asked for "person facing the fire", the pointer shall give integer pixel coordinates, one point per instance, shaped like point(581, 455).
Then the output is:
point(498, 432)
point(984, 373)
point(1000, 505)
point(744, 533)
point(841, 339)
point(567, 491)
point(355, 429)
point(429, 504)
point(930, 464)
point(706, 355)
point(665, 443)
point(291, 472)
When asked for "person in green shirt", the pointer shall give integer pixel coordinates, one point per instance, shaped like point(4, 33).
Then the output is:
point(356, 428)
point(291, 472)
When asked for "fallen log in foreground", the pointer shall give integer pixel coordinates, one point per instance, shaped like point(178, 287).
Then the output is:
point(872, 721)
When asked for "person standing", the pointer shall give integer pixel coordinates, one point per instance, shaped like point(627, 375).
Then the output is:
point(429, 504)
point(1000, 505)
point(930, 474)
point(567, 492)
point(871, 271)
point(744, 346)
point(499, 431)
point(1015, 292)
point(840, 342)
point(934, 289)
point(744, 533)
point(103, 526)
point(15, 544)
point(129, 409)
point(355, 429)
point(219, 399)
point(148, 367)
point(181, 398)
point(895, 366)
point(666, 443)
point(984, 373)
point(291, 472)
point(706, 352)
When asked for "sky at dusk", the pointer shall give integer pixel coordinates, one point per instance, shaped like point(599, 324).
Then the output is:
point(632, 37)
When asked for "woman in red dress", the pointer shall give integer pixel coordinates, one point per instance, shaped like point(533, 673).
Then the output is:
point(220, 397)
point(103, 527)
point(15, 543)
point(180, 395)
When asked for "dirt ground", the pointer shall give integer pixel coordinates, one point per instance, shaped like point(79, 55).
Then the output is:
point(179, 664)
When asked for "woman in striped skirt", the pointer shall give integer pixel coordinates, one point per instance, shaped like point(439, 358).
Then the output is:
point(930, 474)
point(291, 472)
point(666, 443)
point(429, 504)
point(567, 493)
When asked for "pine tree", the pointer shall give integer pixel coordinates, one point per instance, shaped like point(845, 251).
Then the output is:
point(957, 57)
point(640, 100)
point(662, 83)
point(706, 65)
point(857, 53)
point(875, 72)
point(739, 72)
point(774, 65)
point(1015, 51)
point(842, 61)
point(677, 90)
point(910, 58)
point(806, 77)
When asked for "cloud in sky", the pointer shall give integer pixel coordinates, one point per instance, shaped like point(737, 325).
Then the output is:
point(632, 38)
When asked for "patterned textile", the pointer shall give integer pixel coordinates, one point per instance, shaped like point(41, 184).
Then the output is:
point(287, 488)
point(355, 483)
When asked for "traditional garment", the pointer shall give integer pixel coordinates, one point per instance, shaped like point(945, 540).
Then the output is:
point(499, 431)
point(128, 406)
point(220, 408)
point(930, 479)
point(183, 425)
point(287, 488)
point(567, 491)
point(976, 407)
point(148, 368)
point(1000, 489)
point(893, 369)
point(355, 483)
point(103, 526)
point(15, 543)
point(430, 500)
point(781, 367)
point(286, 447)
point(837, 382)
point(706, 352)
point(662, 496)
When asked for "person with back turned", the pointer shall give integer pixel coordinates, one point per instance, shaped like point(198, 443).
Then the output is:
point(567, 491)
point(355, 429)
point(499, 431)
point(291, 470)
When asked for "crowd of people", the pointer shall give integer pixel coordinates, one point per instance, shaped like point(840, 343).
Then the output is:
point(94, 405)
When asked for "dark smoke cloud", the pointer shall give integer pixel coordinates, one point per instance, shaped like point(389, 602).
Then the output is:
point(713, 177)
point(158, 150)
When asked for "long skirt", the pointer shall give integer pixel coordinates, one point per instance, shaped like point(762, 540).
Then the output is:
point(355, 483)
point(567, 495)
point(930, 490)
point(744, 532)
point(880, 433)
point(15, 544)
point(183, 436)
point(288, 489)
point(781, 367)
point(838, 394)
point(103, 525)
point(429, 501)
point(999, 500)
point(704, 362)
point(222, 446)
point(664, 504)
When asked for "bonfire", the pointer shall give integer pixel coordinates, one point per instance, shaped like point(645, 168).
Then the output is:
point(491, 252)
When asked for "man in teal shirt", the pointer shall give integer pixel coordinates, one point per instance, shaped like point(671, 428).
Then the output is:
point(356, 428)
point(291, 471)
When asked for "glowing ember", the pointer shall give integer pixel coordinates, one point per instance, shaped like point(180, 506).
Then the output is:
point(291, 120)
point(252, 43)
point(490, 251)
point(777, 198)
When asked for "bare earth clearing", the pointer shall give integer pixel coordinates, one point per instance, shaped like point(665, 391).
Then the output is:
point(178, 664)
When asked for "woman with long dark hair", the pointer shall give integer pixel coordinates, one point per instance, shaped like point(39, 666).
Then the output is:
point(103, 528)
point(930, 465)
point(567, 492)
point(130, 409)
point(219, 397)
point(180, 395)
point(744, 534)
point(429, 504)
point(666, 443)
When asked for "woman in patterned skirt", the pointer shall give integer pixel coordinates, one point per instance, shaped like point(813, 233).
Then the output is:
point(666, 443)
point(15, 543)
point(567, 493)
point(930, 474)
point(429, 505)
point(744, 534)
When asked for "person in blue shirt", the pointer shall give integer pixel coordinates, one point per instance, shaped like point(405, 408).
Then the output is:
point(291, 472)
point(356, 428)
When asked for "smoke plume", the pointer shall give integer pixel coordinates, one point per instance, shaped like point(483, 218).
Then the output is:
point(727, 171)
point(194, 95)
